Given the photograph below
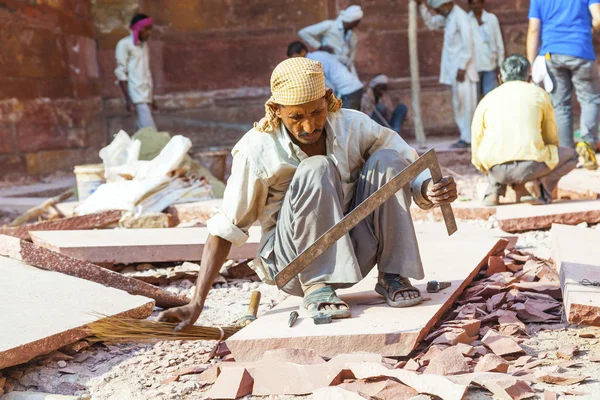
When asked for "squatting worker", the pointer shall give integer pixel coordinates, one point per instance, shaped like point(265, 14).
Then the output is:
point(336, 36)
point(301, 168)
point(133, 71)
point(515, 139)
point(458, 68)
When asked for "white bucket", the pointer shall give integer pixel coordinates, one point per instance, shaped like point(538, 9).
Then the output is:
point(88, 177)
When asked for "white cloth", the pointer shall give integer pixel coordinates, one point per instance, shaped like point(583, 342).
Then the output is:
point(539, 74)
point(264, 164)
point(337, 76)
point(380, 79)
point(489, 45)
point(133, 66)
point(458, 51)
point(331, 33)
point(144, 117)
point(437, 3)
point(351, 14)
point(464, 103)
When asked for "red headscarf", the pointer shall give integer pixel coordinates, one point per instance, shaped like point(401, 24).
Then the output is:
point(137, 27)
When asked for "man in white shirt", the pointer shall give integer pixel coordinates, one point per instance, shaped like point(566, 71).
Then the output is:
point(336, 36)
point(458, 67)
point(298, 172)
point(489, 46)
point(133, 71)
point(345, 85)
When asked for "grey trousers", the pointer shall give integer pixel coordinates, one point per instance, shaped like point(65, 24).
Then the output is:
point(569, 72)
point(314, 203)
point(144, 117)
point(518, 172)
point(352, 100)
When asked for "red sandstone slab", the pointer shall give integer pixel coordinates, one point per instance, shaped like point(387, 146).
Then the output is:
point(463, 210)
point(91, 221)
point(127, 246)
point(374, 327)
point(466, 229)
point(46, 259)
point(577, 255)
point(46, 310)
point(525, 217)
point(580, 184)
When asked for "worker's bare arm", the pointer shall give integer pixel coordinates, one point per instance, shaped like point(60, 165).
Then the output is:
point(214, 255)
point(125, 89)
point(533, 39)
point(595, 11)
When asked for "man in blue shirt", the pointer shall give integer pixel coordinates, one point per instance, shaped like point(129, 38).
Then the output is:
point(566, 34)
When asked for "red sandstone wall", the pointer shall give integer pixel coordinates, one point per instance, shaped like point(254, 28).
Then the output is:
point(212, 59)
point(50, 96)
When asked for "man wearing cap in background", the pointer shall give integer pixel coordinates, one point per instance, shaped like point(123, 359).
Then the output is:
point(298, 172)
point(377, 104)
point(565, 27)
point(345, 84)
point(133, 71)
point(336, 36)
point(458, 67)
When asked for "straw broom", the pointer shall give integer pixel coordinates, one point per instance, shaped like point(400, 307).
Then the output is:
point(121, 329)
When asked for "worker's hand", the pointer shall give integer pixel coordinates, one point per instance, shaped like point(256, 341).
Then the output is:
point(128, 106)
point(186, 315)
point(460, 75)
point(328, 49)
point(443, 192)
point(154, 106)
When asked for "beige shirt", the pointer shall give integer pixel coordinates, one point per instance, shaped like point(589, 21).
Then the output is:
point(133, 66)
point(264, 165)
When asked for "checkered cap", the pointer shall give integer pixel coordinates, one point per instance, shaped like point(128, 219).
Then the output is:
point(297, 81)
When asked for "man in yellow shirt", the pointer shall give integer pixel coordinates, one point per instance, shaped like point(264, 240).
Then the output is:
point(515, 138)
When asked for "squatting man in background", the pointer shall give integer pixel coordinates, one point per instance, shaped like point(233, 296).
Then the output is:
point(336, 36)
point(298, 171)
point(376, 103)
point(515, 139)
point(458, 68)
point(133, 71)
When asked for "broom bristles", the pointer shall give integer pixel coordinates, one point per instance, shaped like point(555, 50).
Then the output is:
point(119, 329)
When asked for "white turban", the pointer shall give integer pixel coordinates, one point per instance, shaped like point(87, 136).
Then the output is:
point(438, 3)
point(351, 14)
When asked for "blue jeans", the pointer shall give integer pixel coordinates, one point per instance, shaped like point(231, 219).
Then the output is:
point(488, 81)
point(397, 118)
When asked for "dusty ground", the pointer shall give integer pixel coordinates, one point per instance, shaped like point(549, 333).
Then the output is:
point(137, 371)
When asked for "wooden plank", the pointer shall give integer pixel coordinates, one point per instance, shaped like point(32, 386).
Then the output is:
point(375, 327)
point(46, 310)
point(577, 255)
point(127, 246)
point(525, 217)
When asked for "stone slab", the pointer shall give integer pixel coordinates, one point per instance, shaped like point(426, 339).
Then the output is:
point(465, 229)
point(85, 222)
point(39, 189)
point(463, 210)
point(49, 260)
point(526, 217)
point(19, 204)
point(580, 184)
point(375, 327)
point(577, 255)
point(46, 310)
point(124, 246)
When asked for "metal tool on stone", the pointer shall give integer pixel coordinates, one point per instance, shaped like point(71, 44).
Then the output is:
point(252, 309)
point(364, 209)
point(435, 286)
point(293, 318)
